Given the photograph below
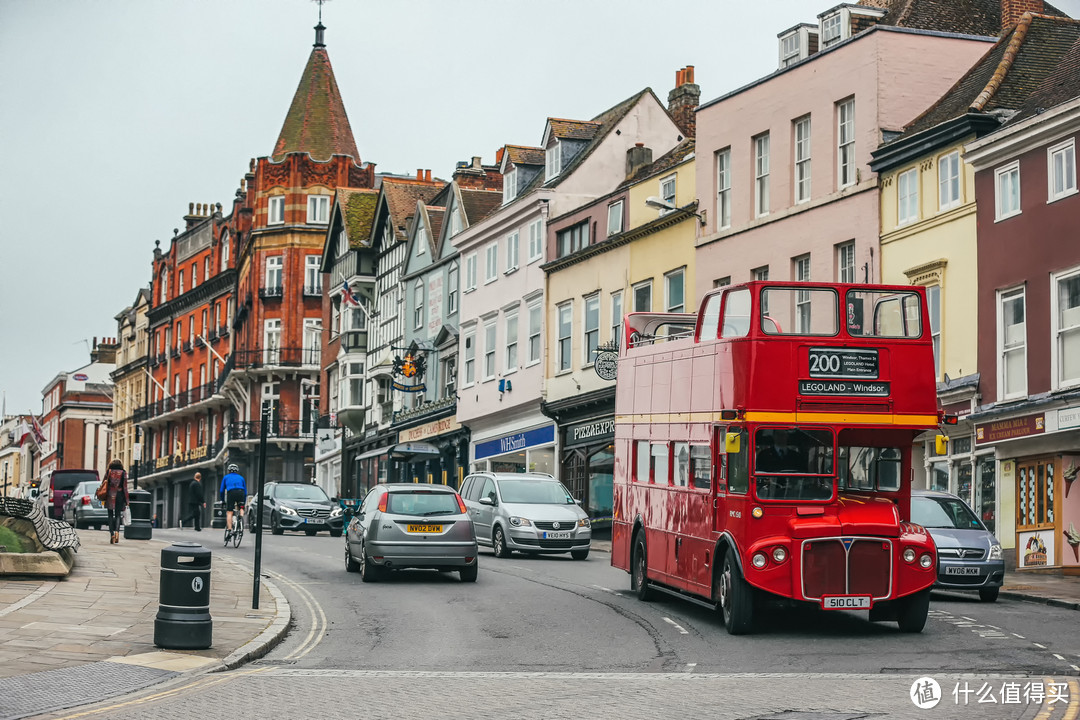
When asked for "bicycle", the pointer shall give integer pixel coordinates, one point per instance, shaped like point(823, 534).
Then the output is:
point(237, 533)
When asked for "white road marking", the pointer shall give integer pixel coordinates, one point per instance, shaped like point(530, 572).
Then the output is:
point(677, 626)
point(968, 619)
point(45, 587)
point(1077, 669)
point(690, 667)
point(1059, 657)
point(1039, 646)
point(318, 619)
point(1020, 636)
point(607, 590)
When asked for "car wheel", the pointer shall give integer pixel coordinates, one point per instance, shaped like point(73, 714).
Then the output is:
point(498, 542)
point(309, 532)
point(335, 533)
point(468, 573)
point(579, 554)
point(350, 564)
point(736, 598)
point(639, 579)
point(911, 612)
point(274, 527)
point(989, 594)
point(369, 571)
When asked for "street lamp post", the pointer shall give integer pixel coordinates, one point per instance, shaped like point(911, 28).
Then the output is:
point(259, 509)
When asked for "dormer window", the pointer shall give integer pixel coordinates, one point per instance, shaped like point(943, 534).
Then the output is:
point(790, 50)
point(552, 161)
point(421, 239)
point(831, 30)
point(509, 186)
point(797, 43)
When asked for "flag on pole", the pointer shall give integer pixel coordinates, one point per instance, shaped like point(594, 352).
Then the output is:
point(39, 434)
point(348, 296)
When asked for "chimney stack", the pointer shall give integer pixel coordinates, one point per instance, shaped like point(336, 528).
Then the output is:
point(683, 100)
point(419, 174)
point(1013, 10)
point(637, 157)
point(427, 175)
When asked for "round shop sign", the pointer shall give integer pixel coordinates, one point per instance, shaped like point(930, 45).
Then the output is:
point(80, 377)
point(196, 584)
point(606, 365)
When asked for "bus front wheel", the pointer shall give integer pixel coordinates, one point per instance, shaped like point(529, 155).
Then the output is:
point(911, 612)
point(736, 597)
point(639, 579)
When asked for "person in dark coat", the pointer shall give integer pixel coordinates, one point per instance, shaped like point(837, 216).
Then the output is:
point(196, 501)
point(116, 497)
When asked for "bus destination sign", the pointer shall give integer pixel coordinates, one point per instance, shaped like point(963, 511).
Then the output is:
point(844, 363)
point(844, 387)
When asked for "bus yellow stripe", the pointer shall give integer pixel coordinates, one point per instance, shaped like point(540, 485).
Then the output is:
point(783, 417)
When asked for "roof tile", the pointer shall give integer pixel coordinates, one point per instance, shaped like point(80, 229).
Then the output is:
point(316, 122)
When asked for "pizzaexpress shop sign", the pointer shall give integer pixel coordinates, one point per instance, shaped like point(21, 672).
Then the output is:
point(589, 432)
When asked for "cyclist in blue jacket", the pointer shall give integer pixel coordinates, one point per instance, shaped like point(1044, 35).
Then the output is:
point(234, 492)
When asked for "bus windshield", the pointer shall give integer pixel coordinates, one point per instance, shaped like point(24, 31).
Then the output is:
point(793, 464)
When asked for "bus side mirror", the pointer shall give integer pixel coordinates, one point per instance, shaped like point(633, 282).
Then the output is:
point(732, 442)
point(941, 444)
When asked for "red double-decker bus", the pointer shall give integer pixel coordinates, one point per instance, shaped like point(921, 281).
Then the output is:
point(763, 450)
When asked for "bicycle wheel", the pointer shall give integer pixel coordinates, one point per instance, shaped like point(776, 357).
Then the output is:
point(238, 534)
point(228, 537)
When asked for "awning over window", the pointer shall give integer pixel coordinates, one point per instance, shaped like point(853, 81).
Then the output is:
point(415, 449)
point(374, 453)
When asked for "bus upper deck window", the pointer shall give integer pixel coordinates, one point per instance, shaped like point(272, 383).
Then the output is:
point(736, 314)
point(710, 318)
point(883, 314)
point(800, 311)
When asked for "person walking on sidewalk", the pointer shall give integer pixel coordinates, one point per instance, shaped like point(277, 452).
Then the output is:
point(196, 501)
point(116, 497)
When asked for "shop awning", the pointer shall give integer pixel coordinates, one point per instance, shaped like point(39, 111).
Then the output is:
point(412, 449)
point(373, 453)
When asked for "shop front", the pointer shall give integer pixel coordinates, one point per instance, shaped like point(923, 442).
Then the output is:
point(531, 450)
point(586, 425)
point(435, 451)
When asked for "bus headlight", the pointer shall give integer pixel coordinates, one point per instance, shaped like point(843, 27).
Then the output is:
point(926, 560)
point(759, 560)
point(995, 552)
point(779, 554)
point(909, 555)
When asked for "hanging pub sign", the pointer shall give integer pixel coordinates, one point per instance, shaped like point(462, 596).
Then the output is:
point(411, 366)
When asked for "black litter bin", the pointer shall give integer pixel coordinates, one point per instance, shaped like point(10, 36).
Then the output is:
point(183, 620)
point(140, 527)
point(218, 521)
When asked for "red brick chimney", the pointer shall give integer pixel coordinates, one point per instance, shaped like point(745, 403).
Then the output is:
point(683, 101)
point(1012, 10)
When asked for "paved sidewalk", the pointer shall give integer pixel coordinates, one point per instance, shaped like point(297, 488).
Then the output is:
point(90, 636)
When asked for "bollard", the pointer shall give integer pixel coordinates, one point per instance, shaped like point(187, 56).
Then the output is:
point(183, 619)
point(139, 528)
point(218, 521)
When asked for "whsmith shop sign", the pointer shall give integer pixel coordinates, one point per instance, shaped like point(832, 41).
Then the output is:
point(518, 441)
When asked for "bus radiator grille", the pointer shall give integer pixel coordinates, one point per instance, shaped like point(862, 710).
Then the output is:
point(830, 569)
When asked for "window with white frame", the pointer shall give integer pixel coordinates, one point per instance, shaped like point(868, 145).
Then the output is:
point(722, 282)
point(194, 275)
point(675, 291)
point(552, 161)
point(565, 341)
point(355, 384)
point(536, 240)
point(191, 330)
point(491, 255)
point(761, 175)
point(845, 262)
point(511, 342)
point(452, 288)
point(933, 304)
point(272, 341)
point(667, 191)
point(206, 268)
point(907, 197)
point(1012, 344)
point(274, 265)
point(489, 350)
point(789, 49)
point(164, 285)
point(949, 180)
point(312, 341)
point(1007, 190)
point(342, 243)
point(318, 209)
point(616, 317)
point(449, 374)
point(312, 276)
point(591, 324)
point(469, 342)
point(224, 251)
point(1065, 328)
point(421, 238)
point(614, 218)
point(180, 287)
point(470, 272)
point(643, 297)
point(802, 159)
point(830, 30)
point(512, 252)
point(275, 210)
point(845, 142)
point(509, 185)
point(723, 188)
point(418, 305)
point(1061, 168)
point(536, 316)
point(802, 297)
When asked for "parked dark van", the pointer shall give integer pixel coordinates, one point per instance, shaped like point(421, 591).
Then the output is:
point(62, 484)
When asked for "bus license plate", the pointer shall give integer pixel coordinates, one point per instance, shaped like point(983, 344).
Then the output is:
point(424, 528)
point(846, 602)
point(961, 571)
point(556, 536)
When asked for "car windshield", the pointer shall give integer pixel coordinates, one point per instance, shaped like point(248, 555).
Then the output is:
point(312, 493)
point(536, 492)
point(86, 488)
point(422, 503)
point(943, 512)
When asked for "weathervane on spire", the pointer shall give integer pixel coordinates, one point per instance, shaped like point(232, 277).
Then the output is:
point(319, 28)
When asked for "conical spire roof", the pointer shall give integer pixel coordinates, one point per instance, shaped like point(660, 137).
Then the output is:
point(317, 123)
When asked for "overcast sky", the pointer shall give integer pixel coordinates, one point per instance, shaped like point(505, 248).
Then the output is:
point(115, 114)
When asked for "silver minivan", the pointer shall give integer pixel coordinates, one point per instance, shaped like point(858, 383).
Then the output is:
point(532, 513)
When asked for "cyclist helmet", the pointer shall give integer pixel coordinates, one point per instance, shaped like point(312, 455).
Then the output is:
point(233, 468)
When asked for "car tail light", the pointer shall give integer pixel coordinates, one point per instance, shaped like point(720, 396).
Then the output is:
point(468, 560)
point(460, 504)
point(382, 502)
point(85, 499)
point(51, 495)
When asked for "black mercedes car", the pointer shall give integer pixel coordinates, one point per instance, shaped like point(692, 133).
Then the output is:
point(297, 506)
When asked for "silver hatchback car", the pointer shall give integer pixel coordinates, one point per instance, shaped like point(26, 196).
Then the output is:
point(969, 556)
point(410, 525)
point(529, 512)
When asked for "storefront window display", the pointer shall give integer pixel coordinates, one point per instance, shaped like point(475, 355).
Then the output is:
point(985, 490)
point(539, 460)
point(939, 476)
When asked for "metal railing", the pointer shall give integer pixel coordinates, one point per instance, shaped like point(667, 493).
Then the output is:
point(251, 429)
point(313, 290)
point(273, 292)
point(278, 357)
point(180, 401)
